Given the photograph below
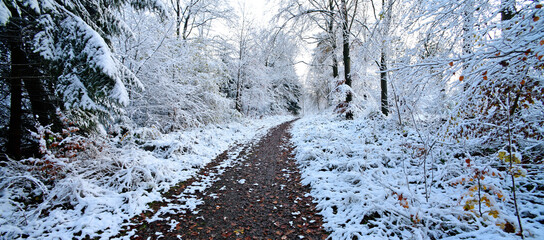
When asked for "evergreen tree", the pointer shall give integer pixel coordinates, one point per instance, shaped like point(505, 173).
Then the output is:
point(60, 54)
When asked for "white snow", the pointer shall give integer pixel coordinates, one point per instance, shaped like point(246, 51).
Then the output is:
point(187, 200)
point(110, 184)
point(5, 14)
point(367, 178)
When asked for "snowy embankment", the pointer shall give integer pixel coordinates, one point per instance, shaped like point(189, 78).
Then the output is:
point(368, 179)
point(93, 193)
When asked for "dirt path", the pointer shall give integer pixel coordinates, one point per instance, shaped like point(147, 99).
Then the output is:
point(251, 191)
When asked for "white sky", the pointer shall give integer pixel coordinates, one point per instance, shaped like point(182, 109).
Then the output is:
point(260, 12)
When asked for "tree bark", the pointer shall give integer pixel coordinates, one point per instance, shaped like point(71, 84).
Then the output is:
point(238, 101)
point(177, 8)
point(468, 25)
point(23, 70)
point(15, 127)
point(508, 9)
point(346, 57)
point(239, 84)
point(383, 83)
point(332, 37)
point(241, 73)
point(186, 26)
point(387, 9)
point(42, 106)
point(334, 65)
point(18, 61)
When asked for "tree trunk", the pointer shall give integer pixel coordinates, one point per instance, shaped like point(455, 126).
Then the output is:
point(239, 83)
point(332, 37)
point(383, 83)
point(346, 57)
point(42, 107)
point(178, 18)
point(186, 26)
point(468, 25)
point(241, 71)
point(238, 101)
point(334, 65)
point(24, 71)
point(468, 39)
point(18, 63)
point(388, 9)
point(508, 9)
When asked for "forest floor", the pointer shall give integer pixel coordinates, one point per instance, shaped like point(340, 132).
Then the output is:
point(251, 191)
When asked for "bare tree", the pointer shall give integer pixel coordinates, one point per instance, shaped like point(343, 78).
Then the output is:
point(326, 14)
point(385, 23)
point(197, 14)
point(242, 43)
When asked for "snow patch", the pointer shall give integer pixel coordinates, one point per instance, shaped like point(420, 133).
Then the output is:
point(366, 177)
point(5, 14)
point(106, 186)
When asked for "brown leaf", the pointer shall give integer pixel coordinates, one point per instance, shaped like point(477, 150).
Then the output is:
point(509, 228)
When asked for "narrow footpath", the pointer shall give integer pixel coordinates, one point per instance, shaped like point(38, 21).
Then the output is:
point(251, 191)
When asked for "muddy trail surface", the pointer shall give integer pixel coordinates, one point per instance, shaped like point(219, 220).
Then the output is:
point(251, 191)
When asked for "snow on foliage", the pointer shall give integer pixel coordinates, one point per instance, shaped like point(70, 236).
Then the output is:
point(71, 42)
point(100, 88)
point(185, 73)
point(262, 78)
point(467, 99)
point(373, 180)
point(5, 15)
point(92, 191)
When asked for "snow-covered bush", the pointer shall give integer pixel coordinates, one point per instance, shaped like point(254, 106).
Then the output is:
point(180, 78)
point(65, 50)
point(92, 193)
point(188, 85)
point(372, 179)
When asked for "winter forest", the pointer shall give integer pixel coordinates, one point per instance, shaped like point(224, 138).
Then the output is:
point(278, 119)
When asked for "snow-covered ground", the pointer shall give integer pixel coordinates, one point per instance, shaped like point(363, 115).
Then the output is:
point(368, 179)
point(111, 182)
